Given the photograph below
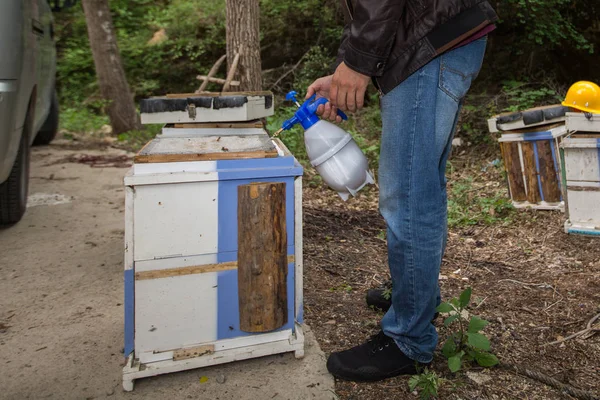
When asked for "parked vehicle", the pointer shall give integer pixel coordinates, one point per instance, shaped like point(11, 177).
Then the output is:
point(28, 100)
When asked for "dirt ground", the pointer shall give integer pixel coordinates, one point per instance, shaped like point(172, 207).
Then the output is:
point(531, 281)
point(61, 302)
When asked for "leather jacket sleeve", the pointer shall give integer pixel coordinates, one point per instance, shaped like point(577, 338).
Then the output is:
point(368, 39)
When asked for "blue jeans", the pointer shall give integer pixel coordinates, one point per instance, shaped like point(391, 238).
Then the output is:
point(419, 117)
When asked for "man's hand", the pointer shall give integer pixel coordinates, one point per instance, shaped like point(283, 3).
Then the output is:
point(322, 88)
point(348, 87)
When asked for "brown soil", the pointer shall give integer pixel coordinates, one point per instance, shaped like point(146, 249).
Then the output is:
point(534, 283)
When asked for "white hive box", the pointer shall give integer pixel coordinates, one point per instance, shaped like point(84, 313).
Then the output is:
point(181, 242)
point(580, 155)
point(207, 107)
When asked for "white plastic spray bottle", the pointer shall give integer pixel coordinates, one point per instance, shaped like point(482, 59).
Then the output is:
point(330, 149)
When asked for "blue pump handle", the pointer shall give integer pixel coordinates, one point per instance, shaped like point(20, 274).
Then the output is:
point(322, 100)
point(306, 115)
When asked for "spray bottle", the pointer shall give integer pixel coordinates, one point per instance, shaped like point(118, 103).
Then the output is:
point(330, 149)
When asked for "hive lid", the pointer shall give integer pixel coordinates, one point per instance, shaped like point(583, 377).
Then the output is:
point(206, 107)
point(206, 148)
point(528, 118)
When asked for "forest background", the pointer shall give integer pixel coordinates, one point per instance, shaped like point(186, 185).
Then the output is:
point(539, 48)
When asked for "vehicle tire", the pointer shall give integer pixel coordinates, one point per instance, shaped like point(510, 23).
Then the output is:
point(48, 131)
point(13, 192)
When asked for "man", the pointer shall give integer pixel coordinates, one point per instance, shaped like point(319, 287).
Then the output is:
point(422, 55)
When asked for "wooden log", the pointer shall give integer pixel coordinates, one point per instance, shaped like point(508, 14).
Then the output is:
point(231, 73)
point(211, 73)
point(262, 257)
point(548, 172)
point(512, 164)
point(531, 176)
point(215, 80)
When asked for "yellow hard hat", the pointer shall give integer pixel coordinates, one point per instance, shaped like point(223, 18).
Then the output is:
point(584, 96)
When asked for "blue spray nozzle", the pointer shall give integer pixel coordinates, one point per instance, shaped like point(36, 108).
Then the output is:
point(307, 112)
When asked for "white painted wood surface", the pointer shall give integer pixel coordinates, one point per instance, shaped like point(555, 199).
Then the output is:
point(208, 145)
point(582, 165)
point(129, 231)
point(225, 344)
point(298, 265)
point(136, 370)
point(168, 168)
point(175, 312)
point(253, 109)
point(578, 122)
point(175, 220)
point(191, 132)
point(175, 262)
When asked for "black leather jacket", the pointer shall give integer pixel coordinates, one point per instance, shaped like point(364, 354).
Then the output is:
point(388, 40)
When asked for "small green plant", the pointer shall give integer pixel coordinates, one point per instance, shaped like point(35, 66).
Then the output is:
point(426, 383)
point(344, 287)
point(467, 206)
point(466, 344)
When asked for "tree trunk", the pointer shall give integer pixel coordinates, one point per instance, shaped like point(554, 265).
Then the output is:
point(243, 17)
point(109, 67)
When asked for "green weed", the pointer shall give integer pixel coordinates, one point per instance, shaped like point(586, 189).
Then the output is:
point(427, 383)
point(467, 206)
point(466, 344)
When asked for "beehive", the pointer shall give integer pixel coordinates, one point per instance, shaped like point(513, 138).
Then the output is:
point(532, 164)
point(580, 154)
point(182, 301)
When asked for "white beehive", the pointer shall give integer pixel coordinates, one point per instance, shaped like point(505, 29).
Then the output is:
point(581, 158)
point(181, 287)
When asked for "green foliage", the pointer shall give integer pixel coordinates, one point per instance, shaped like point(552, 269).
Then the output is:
point(549, 23)
point(466, 344)
point(81, 120)
point(468, 206)
point(135, 140)
point(521, 96)
point(427, 383)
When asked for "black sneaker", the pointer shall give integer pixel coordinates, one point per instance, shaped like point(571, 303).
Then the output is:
point(381, 298)
point(379, 358)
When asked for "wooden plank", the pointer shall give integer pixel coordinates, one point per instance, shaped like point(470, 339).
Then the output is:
point(194, 269)
point(226, 125)
point(215, 94)
point(548, 173)
point(206, 148)
point(531, 177)
point(512, 165)
point(536, 128)
point(262, 264)
point(166, 158)
point(193, 352)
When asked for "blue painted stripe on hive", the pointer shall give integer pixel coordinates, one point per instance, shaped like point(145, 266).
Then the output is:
point(228, 311)
point(261, 173)
point(598, 145)
point(584, 232)
point(556, 169)
point(256, 163)
point(537, 169)
point(533, 136)
point(128, 307)
point(227, 210)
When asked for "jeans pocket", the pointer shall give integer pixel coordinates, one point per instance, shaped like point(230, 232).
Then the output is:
point(459, 67)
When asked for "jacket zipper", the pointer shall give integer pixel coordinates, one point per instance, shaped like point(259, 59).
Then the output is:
point(350, 9)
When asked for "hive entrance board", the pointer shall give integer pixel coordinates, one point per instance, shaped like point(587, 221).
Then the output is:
point(206, 107)
point(206, 148)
